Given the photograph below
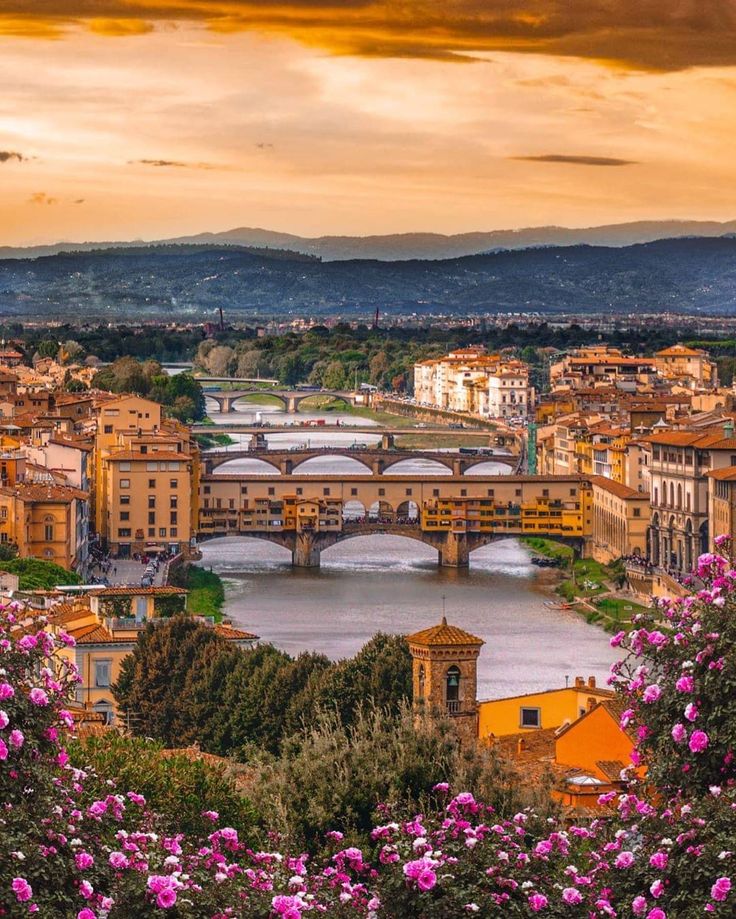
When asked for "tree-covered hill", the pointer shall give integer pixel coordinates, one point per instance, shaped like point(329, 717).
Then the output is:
point(686, 275)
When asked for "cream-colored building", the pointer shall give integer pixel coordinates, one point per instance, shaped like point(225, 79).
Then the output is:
point(620, 520)
point(469, 380)
point(687, 366)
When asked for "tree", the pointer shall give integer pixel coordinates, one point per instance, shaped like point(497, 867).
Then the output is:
point(219, 361)
point(152, 677)
point(291, 370)
point(378, 366)
point(334, 376)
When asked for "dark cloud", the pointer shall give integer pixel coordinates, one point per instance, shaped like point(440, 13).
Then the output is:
point(644, 34)
point(171, 164)
point(7, 155)
point(40, 197)
point(576, 160)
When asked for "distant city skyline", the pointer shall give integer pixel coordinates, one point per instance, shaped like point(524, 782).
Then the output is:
point(124, 119)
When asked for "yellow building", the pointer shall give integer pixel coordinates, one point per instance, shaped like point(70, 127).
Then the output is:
point(721, 504)
point(105, 625)
point(44, 521)
point(147, 479)
point(536, 711)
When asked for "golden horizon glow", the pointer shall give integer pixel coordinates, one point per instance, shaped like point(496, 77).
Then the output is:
point(124, 119)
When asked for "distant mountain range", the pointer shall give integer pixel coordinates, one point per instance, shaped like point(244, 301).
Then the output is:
point(400, 246)
point(686, 275)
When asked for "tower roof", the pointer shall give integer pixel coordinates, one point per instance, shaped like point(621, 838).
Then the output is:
point(443, 634)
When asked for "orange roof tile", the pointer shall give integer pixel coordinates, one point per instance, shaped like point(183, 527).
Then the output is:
point(163, 591)
point(443, 634)
point(617, 488)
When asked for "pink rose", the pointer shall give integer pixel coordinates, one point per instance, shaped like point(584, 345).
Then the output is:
point(698, 742)
point(538, 902)
point(679, 734)
point(22, 889)
point(571, 896)
point(721, 889)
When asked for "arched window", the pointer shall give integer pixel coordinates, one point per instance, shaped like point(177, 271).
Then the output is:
point(679, 496)
point(453, 684)
point(421, 681)
point(672, 494)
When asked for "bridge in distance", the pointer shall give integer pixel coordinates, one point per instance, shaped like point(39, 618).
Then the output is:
point(376, 460)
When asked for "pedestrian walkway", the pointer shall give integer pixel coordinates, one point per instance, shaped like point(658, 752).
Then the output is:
point(128, 573)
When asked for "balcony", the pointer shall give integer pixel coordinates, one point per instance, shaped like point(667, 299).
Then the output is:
point(453, 706)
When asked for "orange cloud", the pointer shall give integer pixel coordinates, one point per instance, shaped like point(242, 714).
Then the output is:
point(576, 160)
point(656, 35)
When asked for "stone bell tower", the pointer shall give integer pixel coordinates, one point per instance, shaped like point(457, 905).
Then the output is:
point(444, 675)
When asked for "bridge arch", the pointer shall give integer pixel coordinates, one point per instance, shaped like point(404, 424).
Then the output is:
point(407, 510)
point(246, 396)
point(439, 461)
point(381, 511)
point(219, 466)
point(354, 510)
point(304, 460)
point(304, 400)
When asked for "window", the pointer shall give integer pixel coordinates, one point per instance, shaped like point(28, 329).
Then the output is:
point(152, 483)
point(518, 492)
point(573, 492)
point(162, 531)
point(545, 492)
point(421, 681)
point(530, 717)
point(272, 491)
point(124, 467)
point(151, 501)
point(152, 467)
point(124, 533)
point(48, 532)
point(382, 492)
point(152, 516)
point(125, 515)
point(174, 467)
point(125, 483)
point(174, 502)
point(173, 532)
point(435, 492)
point(173, 483)
point(353, 491)
point(300, 491)
point(3, 512)
point(102, 673)
point(637, 512)
point(125, 499)
point(490, 492)
point(108, 429)
point(207, 489)
point(230, 503)
point(325, 491)
point(173, 517)
point(144, 448)
point(463, 492)
point(152, 531)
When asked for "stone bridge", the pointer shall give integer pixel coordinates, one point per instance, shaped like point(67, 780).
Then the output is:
point(453, 548)
point(290, 398)
point(454, 514)
point(378, 461)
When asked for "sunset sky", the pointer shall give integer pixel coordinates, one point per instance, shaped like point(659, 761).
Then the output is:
point(123, 119)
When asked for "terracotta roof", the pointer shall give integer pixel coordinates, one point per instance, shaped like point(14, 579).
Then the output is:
point(443, 634)
point(138, 591)
point(611, 768)
point(727, 474)
point(75, 441)
point(232, 634)
point(678, 351)
point(98, 635)
point(617, 488)
point(56, 494)
point(589, 690)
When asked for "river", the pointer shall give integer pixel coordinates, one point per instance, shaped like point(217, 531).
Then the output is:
point(393, 584)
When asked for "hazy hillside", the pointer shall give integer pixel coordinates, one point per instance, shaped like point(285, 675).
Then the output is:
point(403, 246)
point(685, 274)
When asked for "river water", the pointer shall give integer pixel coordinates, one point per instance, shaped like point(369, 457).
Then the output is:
point(393, 584)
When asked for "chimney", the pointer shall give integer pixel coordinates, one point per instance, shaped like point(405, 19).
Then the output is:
point(591, 703)
point(579, 682)
point(591, 682)
point(520, 745)
point(728, 429)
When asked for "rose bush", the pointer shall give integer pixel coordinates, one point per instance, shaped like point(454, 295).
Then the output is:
point(664, 851)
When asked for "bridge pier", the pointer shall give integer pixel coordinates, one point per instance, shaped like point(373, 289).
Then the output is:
point(305, 553)
point(286, 466)
point(291, 405)
point(454, 551)
point(388, 442)
point(458, 466)
point(377, 466)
